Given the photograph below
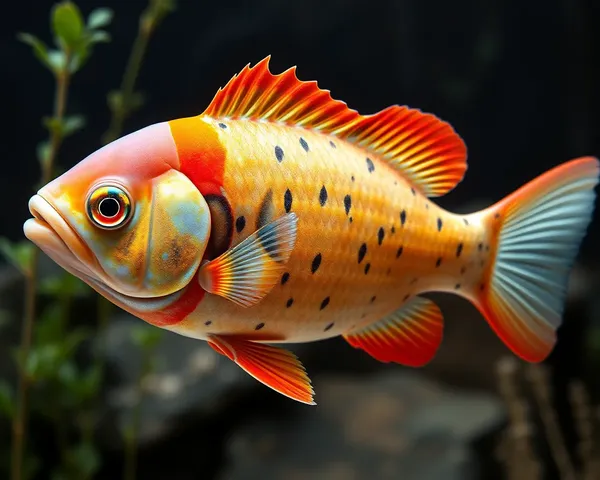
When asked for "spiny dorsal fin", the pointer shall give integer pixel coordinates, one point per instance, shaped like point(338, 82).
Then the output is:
point(424, 148)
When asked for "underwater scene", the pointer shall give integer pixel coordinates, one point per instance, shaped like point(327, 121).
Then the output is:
point(311, 240)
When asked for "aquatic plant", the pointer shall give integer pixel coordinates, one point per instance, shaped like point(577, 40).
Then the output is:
point(533, 427)
point(51, 382)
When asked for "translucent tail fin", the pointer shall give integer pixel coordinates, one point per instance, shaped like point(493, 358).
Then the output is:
point(542, 226)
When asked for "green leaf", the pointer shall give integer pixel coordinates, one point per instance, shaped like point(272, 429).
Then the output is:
point(100, 17)
point(57, 61)
point(99, 36)
point(72, 124)
point(7, 399)
point(40, 49)
point(86, 459)
point(43, 154)
point(67, 24)
point(19, 254)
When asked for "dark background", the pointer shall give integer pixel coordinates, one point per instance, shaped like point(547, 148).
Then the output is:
point(519, 81)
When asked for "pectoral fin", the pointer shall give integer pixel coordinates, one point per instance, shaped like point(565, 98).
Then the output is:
point(276, 367)
point(410, 336)
point(247, 272)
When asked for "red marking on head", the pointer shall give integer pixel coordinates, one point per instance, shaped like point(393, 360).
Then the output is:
point(201, 154)
point(180, 309)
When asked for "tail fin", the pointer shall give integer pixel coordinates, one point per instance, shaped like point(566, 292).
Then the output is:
point(542, 226)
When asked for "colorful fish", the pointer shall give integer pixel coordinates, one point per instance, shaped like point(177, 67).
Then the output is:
point(280, 215)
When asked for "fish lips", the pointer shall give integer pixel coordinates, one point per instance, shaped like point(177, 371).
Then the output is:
point(53, 235)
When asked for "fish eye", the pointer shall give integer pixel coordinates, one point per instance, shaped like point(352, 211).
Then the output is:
point(109, 206)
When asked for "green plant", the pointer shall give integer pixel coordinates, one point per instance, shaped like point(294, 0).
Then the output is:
point(51, 382)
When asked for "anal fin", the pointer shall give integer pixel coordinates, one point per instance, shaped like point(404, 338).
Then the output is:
point(410, 336)
point(275, 367)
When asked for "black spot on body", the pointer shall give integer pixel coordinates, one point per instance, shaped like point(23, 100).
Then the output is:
point(393, 229)
point(412, 190)
point(285, 277)
point(289, 303)
point(426, 206)
point(403, 217)
point(370, 165)
point(482, 287)
point(323, 196)
point(324, 303)
point(438, 262)
point(316, 263)
point(463, 270)
point(367, 268)
point(265, 211)
point(373, 298)
point(439, 224)
point(413, 281)
point(304, 144)
point(332, 144)
point(350, 219)
point(222, 125)
point(362, 251)
point(497, 216)
point(459, 249)
point(487, 248)
point(329, 327)
point(208, 322)
point(399, 252)
point(406, 297)
point(278, 153)
point(480, 247)
point(240, 223)
point(287, 200)
point(259, 326)
point(466, 222)
point(457, 286)
point(380, 235)
point(352, 178)
point(347, 203)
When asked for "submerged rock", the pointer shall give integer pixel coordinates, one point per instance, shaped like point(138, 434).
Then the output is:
point(389, 426)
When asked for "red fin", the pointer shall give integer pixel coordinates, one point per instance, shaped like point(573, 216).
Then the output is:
point(540, 228)
point(411, 336)
point(425, 149)
point(247, 272)
point(276, 367)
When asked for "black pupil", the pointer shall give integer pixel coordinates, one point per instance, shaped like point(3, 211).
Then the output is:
point(109, 207)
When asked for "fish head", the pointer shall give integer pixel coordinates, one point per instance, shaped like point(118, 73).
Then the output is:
point(125, 220)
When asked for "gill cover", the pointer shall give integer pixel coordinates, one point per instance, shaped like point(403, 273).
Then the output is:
point(158, 250)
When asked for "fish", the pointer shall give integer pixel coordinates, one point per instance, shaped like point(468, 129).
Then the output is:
point(280, 215)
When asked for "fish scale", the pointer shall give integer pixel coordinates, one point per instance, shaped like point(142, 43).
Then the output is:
point(378, 198)
point(280, 215)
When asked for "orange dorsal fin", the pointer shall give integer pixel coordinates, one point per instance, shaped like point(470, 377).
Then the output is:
point(425, 149)
point(276, 367)
point(410, 336)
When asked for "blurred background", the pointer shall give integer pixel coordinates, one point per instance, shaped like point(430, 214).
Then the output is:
point(93, 393)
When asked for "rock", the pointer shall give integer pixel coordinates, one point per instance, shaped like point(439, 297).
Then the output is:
point(389, 426)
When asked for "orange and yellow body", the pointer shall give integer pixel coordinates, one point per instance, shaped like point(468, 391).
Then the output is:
point(367, 240)
point(280, 215)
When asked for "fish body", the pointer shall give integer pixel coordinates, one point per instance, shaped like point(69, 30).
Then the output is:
point(367, 241)
point(280, 215)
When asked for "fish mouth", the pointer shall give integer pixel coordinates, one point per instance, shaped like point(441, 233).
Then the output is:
point(53, 235)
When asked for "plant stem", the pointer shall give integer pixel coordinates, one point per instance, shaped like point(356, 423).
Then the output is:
point(122, 110)
point(20, 419)
point(131, 444)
